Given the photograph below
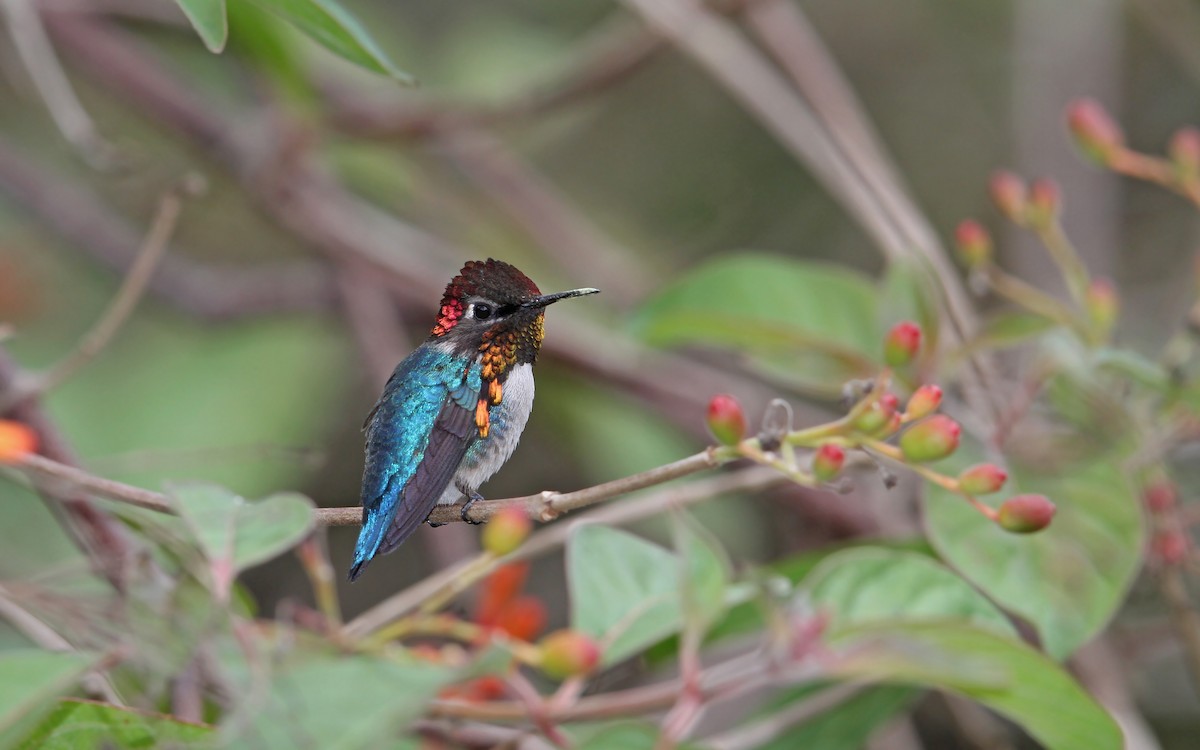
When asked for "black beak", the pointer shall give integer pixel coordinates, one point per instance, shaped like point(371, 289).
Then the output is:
point(550, 299)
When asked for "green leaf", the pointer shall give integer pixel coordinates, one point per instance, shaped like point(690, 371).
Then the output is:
point(30, 679)
point(208, 18)
point(1009, 329)
point(809, 324)
point(235, 534)
point(868, 584)
point(1001, 673)
point(1133, 366)
point(704, 572)
point(622, 588)
point(336, 703)
point(86, 724)
point(846, 726)
point(331, 25)
point(1067, 580)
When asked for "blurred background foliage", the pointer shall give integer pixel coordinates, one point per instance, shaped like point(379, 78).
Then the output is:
point(635, 183)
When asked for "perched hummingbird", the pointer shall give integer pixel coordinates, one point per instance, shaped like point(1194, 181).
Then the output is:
point(454, 409)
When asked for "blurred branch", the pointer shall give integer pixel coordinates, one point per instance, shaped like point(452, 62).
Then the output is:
point(37, 54)
point(106, 327)
point(764, 730)
point(105, 541)
point(1184, 618)
point(206, 292)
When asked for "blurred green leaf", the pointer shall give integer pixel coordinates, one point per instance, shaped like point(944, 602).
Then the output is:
point(704, 571)
point(622, 588)
point(30, 679)
point(1009, 329)
point(265, 39)
point(1067, 580)
point(331, 25)
point(627, 736)
point(235, 534)
point(208, 18)
point(810, 324)
point(999, 672)
point(1135, 367)
point(867, 584)
point(336, 702)
point(76, 724)
point(846, 726)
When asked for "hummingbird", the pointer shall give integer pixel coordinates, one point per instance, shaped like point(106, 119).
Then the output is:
point(452, 412)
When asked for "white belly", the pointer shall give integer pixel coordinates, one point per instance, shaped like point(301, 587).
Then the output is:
point(507, 423)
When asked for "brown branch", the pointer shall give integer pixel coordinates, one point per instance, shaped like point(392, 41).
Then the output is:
point(764, 730)
point(1184, 618)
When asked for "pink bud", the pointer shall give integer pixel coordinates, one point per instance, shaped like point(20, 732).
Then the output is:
point(726, 420)
point(1160, 495)
point(1102, 303)
point(1008, 193)
point(506, 530)
point(930, 439)
point(1094, 131)
point(827, 461)
point(982, 479)
point(1184, 150)
point(1045, 202)
point(924, 401)
point(901, 344)
point(567, 653)
point(877, 414)
point(973, 243)
point(1169, 547)
point(1025, 514)
point(890, 427)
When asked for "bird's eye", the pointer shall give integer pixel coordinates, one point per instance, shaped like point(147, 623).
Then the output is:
point(482, 311)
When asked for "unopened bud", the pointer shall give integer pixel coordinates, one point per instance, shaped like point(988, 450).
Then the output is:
point(522, 618)
point(1025, 514)
point(890, 427)
point(1160, 495)
point(924, 401)
point(982, 479)
point(877, 415)
point(973, 243)
point(1184, 150)
point(506, 530)
point(930, 439)
point(1169, 547)
point(901, 344)
point(1045, 202)
point(1094, 132)
point(567, 653)
point(726, 420)
point(1102, 303)
point(16, 441)
point(1009, 195)
point(827, 461)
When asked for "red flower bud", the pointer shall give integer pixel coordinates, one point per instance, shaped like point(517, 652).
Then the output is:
point(930, 439)
point(1094, 131)
point(1160, 495)
point(901, 344)
point(1169, 547)
point(726, 420)
point(1102, 303)
point(982, 479)
point(522, 618)
point(1025, 514)
point(506, 530)
point(1008, 193)
point(890, 427)
point(973, 243)
point(876, 416)
point(566, 653)
point(1184, 150)
point(498, 589)
point(16, 441)
point(827, 461)
point(924, 401)
point(1045, 202)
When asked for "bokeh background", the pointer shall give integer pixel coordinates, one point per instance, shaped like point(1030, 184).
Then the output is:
point(575, 142)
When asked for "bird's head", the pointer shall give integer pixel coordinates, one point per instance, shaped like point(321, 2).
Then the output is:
point(494, 309)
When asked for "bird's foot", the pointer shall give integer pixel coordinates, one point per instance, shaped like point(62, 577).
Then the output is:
point(464, 514)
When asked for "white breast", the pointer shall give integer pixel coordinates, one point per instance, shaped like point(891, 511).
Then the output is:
point(508, 422)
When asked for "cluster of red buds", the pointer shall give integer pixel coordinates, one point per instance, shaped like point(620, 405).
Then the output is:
point(922, 436)
point(1169, 542)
